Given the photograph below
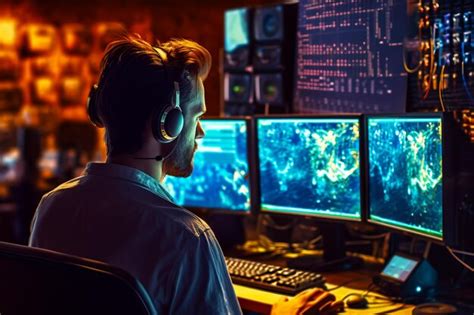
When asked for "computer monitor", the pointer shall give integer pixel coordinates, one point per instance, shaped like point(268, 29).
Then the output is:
point(236, 29)
point(220, 181)
point(350, 56)
point(405, 173)
point(310, 166)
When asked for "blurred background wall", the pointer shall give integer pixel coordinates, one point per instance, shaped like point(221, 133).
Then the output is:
point(49, 57)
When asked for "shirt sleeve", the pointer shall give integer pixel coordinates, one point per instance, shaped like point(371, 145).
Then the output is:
point(200, 281)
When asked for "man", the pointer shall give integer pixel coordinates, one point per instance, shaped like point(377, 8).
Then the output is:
point(119, 213)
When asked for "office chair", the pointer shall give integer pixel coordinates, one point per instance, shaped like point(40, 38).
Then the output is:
point(38, 281)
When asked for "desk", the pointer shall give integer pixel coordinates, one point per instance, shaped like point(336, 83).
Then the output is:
point(260, 301)
point(354, 281)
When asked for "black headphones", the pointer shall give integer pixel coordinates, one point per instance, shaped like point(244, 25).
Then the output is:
point(92, 111)
point(167, 121)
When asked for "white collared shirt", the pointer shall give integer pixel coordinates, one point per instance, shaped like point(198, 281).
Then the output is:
point(124, 217)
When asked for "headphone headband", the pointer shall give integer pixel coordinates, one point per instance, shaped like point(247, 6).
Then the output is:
point(177, 96)
point(168, 124)
point(92, 109)
point(170, 118)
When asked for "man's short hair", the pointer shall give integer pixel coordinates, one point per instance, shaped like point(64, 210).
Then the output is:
point(136, 78)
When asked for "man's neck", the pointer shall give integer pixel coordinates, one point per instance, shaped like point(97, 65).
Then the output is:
point(150, 167)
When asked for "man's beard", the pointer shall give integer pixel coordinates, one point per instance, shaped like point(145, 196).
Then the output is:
point(180, 162)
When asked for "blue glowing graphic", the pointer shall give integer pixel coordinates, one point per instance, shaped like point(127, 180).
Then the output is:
point(310, 166)
point(405, 180)
point(220, 179)
point(399, 268)
point(236, 29)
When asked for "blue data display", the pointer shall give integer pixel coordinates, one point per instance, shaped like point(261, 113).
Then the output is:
point(350, 56)
point(236, 29)
point(220, 179)
point(310, 166)
point(405, 173)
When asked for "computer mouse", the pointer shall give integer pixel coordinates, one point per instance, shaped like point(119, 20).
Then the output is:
point(356, 301)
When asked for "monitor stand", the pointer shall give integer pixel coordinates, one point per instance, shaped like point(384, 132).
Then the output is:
point(334, 252)
point(263, 244)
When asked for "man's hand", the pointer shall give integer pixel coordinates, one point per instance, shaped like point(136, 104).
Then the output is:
point(309, 302)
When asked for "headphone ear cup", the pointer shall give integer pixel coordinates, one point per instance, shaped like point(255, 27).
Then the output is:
point(92, 108)
point(174, 123)
point(168, 124)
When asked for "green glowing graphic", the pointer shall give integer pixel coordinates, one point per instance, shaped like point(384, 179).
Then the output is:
point(310, 166)
point(238, 89)
point(405, 164)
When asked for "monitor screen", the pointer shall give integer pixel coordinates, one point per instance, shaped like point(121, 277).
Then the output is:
point(399, 268)
point(220, 179)
point(350, 56)
point(310, 166)
point(236, 29)
point(405, 173)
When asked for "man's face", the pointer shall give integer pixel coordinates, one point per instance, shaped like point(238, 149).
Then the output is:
point(180, 163)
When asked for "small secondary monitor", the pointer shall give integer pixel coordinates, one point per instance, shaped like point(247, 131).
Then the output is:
point(236, 29)
point(220, 179)
point(399, 268)
point(405, 173)
point(406, 276)
point(310, 166)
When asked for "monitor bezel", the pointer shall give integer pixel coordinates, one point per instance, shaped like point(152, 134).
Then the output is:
point(318, 216)
point(210, 211)
point(393, 227)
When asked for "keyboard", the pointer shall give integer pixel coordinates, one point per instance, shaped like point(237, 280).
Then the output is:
point(272, 278)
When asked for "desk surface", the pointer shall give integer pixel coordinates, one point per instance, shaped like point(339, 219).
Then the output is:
point(261, 301)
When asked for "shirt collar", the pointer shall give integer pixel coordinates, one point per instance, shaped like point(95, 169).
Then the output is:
point(130, 174)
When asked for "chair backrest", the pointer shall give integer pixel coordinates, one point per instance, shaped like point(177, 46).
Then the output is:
point(38, 281)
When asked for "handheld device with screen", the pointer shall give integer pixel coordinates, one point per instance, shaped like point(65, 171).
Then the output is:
point(406, 276)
